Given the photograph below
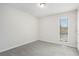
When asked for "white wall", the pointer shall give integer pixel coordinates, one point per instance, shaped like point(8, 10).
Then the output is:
point(16, 28)
point(78, 29)
point(49, 28)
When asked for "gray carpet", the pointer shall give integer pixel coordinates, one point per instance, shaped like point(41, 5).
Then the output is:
point(41, 48)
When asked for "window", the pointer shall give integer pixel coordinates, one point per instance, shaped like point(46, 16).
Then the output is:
point(63, 28)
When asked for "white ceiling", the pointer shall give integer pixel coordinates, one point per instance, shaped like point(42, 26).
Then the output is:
point(49, 9)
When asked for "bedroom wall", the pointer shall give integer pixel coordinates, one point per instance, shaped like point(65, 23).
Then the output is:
point(16, 28)
point(49, 29)
point(78, 29)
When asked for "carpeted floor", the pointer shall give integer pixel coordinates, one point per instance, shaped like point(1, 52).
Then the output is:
point(41, 48)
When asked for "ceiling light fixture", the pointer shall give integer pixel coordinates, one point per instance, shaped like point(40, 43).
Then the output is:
point(42, 5)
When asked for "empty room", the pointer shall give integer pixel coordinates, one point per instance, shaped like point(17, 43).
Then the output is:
point(39, 29)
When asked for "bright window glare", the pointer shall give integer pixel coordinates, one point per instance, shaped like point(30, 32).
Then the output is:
point(63, 21)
